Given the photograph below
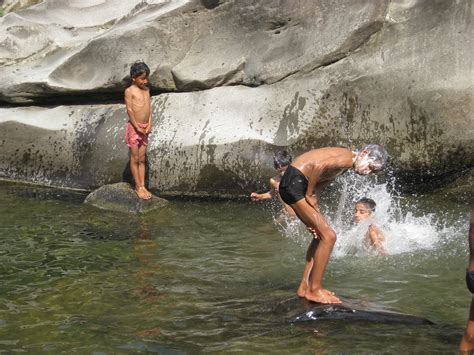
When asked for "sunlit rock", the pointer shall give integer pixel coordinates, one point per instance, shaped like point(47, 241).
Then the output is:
point(257, 76)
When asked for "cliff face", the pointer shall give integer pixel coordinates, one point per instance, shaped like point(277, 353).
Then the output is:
point(238, 80)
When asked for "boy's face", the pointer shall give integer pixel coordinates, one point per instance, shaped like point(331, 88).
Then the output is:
point(141, 80)
point(361, 212)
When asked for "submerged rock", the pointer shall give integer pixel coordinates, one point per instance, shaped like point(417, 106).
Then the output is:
point(301, 310)
point(121, 197)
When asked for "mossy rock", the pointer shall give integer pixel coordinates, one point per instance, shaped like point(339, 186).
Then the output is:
point(121, 197)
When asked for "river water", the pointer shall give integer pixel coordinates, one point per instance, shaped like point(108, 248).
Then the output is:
point(209, 276)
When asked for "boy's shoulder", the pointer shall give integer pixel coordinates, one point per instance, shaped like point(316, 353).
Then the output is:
point(133, 89)
point(373, 229)
point(129, 89)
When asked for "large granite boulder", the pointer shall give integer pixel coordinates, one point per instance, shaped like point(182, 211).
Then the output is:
point(244, 79)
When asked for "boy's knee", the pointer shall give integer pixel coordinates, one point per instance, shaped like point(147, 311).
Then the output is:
point(330, 237)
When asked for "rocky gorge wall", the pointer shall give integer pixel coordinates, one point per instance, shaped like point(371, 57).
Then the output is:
point(234, 81)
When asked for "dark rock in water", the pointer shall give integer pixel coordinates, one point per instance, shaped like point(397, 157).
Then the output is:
point(301, 310)
point(121, 197)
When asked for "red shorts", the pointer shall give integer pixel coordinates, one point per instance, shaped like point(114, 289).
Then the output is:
point(134, 138)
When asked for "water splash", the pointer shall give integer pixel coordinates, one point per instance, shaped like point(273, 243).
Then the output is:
point(405, 227)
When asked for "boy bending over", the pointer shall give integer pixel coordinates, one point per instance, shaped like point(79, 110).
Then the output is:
point(313, 171)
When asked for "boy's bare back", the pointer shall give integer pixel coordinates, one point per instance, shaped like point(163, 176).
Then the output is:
point(330, 162)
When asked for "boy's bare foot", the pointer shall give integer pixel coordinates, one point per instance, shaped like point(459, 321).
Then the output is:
point(141, 193)
point(149, 194)
point(322, 296)
point(302, 289)
point(301, 292)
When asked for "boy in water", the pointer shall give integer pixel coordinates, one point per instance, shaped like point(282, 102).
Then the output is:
point(281, 160)
point(310, 173)
point(467, 341)
point(363, 210)
point(138, 103)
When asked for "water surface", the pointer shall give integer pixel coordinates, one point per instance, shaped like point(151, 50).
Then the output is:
point(202, 276)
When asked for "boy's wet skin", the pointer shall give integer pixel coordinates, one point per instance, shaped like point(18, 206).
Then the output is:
point(312, 172)
point(374, 237)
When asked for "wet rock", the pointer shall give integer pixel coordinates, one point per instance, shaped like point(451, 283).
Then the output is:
point(300, 310)
point(120, 197)
point(460, 190)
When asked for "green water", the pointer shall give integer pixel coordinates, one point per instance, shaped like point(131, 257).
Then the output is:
point(200, 277)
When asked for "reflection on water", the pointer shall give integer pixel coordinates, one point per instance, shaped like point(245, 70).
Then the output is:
point(209, 276)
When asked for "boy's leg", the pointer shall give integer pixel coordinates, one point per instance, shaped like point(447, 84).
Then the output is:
point(327, 238)
point(467, 341)
point(308, 266)
point(141, 170)
point(135, 169)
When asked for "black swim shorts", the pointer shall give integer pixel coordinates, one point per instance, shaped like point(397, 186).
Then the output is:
point(470, 280)
point(293, 185)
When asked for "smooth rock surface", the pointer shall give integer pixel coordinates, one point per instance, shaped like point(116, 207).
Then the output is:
point(258, 76)
point(120, 197)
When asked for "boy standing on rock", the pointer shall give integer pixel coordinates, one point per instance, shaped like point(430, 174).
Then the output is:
point(138, 103)
point(301, 186)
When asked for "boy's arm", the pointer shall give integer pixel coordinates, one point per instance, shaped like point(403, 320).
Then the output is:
point(148, 129)
point(266, 195)
point(377, 239)
point(131, 116)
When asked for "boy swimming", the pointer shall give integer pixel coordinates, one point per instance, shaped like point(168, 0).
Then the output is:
point(363, 210)
point(301, 186)
point(281, 160)
point(138, 103)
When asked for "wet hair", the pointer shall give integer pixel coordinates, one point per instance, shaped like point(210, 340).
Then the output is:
point(377, 154)
point(368, 202)
point(139, 68)
point(281, 159)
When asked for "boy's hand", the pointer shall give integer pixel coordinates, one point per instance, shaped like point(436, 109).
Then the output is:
point(313, 232)
point(148, 130)
point(254, 196)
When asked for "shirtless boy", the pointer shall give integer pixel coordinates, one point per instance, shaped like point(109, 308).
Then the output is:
point(281, 160)
point(363, 210)
point(312, 172)
point(467, 341)
point(138, 103)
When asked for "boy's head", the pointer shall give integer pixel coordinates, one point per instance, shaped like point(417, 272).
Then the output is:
point(370, 158)
point(363, 209)
point(282, 159)
point(139, 73)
